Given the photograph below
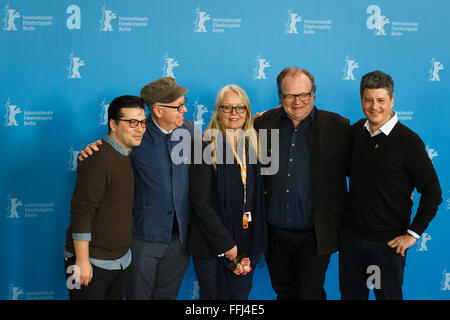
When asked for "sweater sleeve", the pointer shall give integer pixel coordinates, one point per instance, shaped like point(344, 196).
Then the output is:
point(202, 201)
point(426, 182)
point(88, 193)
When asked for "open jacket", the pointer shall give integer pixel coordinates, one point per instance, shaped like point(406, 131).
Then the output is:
point(329, 145)
point(216, 219)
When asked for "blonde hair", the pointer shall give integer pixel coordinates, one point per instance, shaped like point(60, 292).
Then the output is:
point(251, 138)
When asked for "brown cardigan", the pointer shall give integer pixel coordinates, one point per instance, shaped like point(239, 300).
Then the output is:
point(102, 204)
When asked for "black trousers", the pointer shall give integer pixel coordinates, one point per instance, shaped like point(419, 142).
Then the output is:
point(364, 264)
point(206, 271)
point(296, 270)
point(105, 284)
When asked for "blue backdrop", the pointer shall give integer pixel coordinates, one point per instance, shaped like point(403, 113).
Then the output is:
point(62, 62)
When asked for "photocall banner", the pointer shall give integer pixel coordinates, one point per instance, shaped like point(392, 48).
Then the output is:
point(62, 62)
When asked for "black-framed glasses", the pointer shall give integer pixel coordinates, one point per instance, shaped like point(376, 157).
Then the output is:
point(134, 122)
point(179, 107)
point(229, 109)
point(290, 98)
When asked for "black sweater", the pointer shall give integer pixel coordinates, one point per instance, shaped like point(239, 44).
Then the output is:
point(384, 172)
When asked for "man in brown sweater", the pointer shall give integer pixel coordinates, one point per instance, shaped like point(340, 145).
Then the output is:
point(97, 250)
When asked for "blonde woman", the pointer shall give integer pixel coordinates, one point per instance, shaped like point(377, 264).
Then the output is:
point(226, 191)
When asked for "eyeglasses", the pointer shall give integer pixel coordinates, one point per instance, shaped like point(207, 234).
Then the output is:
point(134, 122)
point(229, 109)
point(179, 107)
point(290, 98)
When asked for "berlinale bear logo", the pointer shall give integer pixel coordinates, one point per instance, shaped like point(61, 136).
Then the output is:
point(11, 15)
point(261, 65)
point(291, 24)
point(436, 66)
point(200, 19)
point(350, 65)
point(169, 64)
point(11, 112)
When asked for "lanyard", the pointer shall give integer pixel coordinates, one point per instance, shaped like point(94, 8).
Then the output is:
point(243, 166)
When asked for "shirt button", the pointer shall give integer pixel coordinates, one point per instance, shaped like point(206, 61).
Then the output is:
point(290, 160)
point(287, 206)
point(287, 190)
point(293, 144)
point(289, 174)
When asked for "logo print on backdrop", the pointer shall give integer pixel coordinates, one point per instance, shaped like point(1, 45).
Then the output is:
point(422, 242)
point(350, 65)
point(436, 66)
point(218, 24)
point(125, 23)
point(261, 65)
point(75, 64)
point(30, 118)
point(310, 25)
point(14, 292)
point(376, 20)
point(73, 159)
point(11, 209)
point(431, 152)
point(405, 115)
point(169, 64)
point(200, 19)
point(29, 210)
point(445, 282)
point(31, 22)
point(10, 16)
point(11, 112)
point(291, 27)
point(103, 113)
point(105, 21)
point(200, 110)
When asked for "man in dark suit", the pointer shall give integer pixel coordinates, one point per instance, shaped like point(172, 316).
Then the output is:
point(306, 198)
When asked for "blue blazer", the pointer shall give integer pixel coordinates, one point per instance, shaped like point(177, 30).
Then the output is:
point(162, 186)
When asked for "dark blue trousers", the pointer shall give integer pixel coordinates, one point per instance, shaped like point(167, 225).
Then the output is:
point(158, 269)
point(206, 271)
point(364, 264)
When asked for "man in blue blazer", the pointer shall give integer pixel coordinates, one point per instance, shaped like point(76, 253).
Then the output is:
point(161, 201)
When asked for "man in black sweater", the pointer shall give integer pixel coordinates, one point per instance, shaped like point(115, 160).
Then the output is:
point(388, 162)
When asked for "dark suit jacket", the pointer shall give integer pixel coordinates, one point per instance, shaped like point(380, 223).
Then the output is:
point(208, 235)
point(329, 145)
point(213, 229)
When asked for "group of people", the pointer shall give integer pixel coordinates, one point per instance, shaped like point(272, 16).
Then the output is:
point(137, 215)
